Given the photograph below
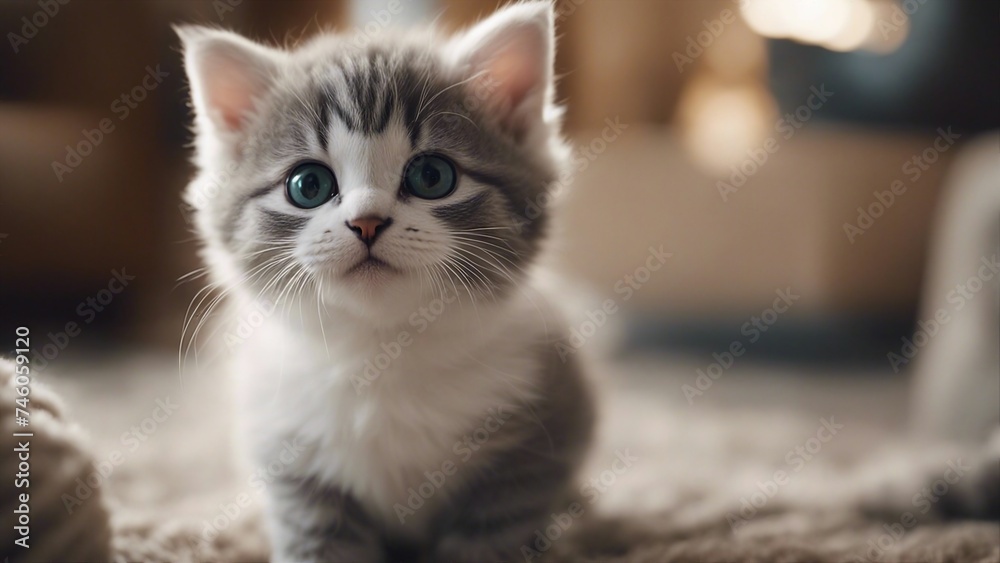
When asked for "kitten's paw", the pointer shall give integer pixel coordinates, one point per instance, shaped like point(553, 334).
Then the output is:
point(462, 549)
point(977, 495)
point(330, 552)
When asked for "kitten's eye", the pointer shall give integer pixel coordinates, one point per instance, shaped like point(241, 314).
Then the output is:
point(430, 176)
point(310, 185)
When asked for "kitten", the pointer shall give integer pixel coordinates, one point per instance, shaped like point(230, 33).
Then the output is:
point(405, 394)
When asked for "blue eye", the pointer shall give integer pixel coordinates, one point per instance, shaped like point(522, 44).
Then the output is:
point(430, 176)
point(310, 185)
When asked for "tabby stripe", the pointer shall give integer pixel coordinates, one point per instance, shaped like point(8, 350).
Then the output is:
point(282, 223)
point(464, 214)
point(323, 126)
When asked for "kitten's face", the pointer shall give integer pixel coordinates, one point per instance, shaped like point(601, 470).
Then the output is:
point(375, 177)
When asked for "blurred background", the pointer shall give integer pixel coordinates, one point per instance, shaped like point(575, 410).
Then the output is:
point(696, 122)
point(793, 206)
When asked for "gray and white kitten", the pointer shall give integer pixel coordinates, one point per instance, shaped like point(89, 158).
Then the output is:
point(381, 192)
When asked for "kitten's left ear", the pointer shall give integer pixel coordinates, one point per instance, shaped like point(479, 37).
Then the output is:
point(512, 54)
point(228, 74)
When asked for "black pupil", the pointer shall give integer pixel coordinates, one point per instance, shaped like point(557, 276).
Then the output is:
point(309, 185)
point(430, 175)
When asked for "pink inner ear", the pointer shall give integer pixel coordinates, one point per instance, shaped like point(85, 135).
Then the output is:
point(513, 63)
point(516, 72)
point(230, 94)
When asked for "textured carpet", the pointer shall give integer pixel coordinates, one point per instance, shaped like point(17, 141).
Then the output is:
point(765, 465)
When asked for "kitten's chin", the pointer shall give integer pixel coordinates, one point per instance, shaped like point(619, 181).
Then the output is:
point(371, 271)
point(380, 294)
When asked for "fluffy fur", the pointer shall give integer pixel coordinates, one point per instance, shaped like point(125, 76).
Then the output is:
point(424, 356)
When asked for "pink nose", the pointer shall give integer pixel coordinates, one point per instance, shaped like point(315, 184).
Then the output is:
point(368, 228)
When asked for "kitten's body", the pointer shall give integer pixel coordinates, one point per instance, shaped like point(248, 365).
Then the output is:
point(378, 436)
point(406, 388)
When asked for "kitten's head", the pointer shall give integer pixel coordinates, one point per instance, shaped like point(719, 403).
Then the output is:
point(376, 172)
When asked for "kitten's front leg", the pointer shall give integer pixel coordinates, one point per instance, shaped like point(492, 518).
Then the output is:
point(499, 516)
point(521, 475)
point(311, 522)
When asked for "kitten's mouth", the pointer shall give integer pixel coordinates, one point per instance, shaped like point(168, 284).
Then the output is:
point(370, 266)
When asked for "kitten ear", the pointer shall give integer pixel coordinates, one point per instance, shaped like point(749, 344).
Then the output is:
point(512, 53)
point(228, 75)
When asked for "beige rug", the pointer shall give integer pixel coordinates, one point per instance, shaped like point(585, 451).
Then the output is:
point(765, 466)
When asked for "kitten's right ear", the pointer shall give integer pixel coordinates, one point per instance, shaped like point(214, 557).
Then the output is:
point(228, 75)
point(511, 54)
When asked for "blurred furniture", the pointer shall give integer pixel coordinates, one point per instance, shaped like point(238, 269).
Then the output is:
point(120, 207)
point(783, 228)
point(957, 342)
point(65, 235)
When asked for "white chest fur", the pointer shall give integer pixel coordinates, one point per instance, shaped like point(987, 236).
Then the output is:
point(374, 419)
